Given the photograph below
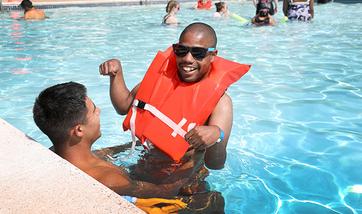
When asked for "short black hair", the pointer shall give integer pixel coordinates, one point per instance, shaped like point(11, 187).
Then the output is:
point(26, 4)
point(59, 108)
point(219, 6)
point(203, 28)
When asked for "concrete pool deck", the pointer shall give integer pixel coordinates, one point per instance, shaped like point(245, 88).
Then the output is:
point(35, 180)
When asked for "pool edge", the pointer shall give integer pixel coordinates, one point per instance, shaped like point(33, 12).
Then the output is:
point(34, 179)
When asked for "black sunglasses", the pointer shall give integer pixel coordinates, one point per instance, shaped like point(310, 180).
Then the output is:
point(197, 52)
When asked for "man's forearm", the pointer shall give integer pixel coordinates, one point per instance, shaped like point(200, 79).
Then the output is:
point(143, 189)
point(121, 97)
point(215, 156)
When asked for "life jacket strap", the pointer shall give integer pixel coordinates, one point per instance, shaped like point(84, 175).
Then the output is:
point(177, 128)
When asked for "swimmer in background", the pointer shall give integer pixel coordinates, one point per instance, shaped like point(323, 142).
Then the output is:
point(30, 12)
point(263, 18)
point(300, 10)
point(221, 10)
point(172, 8)
point(203, 5)
point(271, 4)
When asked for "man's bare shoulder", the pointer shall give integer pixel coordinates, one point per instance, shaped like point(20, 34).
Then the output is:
point(224, 102)
point(110, 175)
point(35, 14)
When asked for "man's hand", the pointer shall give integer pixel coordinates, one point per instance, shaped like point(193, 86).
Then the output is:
point(202, 137)
point(110, 67)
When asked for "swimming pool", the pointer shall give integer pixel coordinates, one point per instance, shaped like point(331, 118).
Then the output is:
point(296, 141)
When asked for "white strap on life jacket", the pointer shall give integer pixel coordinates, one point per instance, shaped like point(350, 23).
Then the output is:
point(176, 127)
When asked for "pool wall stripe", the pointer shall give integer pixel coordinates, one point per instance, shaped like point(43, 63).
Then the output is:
point(50, 5)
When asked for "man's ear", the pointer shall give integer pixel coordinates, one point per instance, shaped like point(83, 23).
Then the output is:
point(214, 53)
point(77, 131)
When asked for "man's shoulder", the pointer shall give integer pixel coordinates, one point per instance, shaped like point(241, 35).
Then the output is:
point(35, 14)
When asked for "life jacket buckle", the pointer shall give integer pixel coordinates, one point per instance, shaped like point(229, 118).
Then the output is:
point(141, 104)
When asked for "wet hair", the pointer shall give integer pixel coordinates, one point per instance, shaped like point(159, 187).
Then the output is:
point(59, 108)
point(203, 28)
point(26, 4)
point(219, 6)
point(171, 4)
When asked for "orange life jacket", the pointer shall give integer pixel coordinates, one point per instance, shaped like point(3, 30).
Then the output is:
point(162, 94)
point(201, 5)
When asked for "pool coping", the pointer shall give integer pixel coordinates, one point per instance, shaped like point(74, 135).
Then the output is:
point(46, 4)
point(36, 180)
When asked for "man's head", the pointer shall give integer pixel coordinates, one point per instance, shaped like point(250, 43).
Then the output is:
point(264, 10)
point(195, 51)
point(26, 5)
point(220, 6)
point(64, 111)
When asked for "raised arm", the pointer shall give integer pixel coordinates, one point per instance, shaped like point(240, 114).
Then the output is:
point(205, 137)
point(285, 7)
point(254, 2)
point(276, 7)
point(121, 97)
point(311, 7)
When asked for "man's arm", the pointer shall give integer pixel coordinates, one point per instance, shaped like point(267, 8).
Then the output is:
point(122, 184)
point(285, 7)
point(205, 137)
point(275, 7)
point(121, 97)
point(254, 2)
point(311, 7)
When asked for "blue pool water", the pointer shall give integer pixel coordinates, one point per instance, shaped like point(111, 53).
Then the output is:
point(296, 142)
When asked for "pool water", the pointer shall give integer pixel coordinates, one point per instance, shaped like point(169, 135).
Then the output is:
point(296, 141)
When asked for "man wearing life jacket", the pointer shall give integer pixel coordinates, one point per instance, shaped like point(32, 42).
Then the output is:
point(182, 114)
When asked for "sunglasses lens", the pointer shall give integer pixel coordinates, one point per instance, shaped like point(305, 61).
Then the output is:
point(198, 53)
point(180, 50)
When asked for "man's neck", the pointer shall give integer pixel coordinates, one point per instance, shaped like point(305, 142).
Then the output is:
point(79, 154)
point(30, 9)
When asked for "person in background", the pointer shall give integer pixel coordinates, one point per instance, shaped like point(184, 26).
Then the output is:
point(301, 10)
point(323, 1)
point(171, 9)
point(71, 120)
point(221, 10)
point(30, 12)
point(203, 4)
point(263, 18)
point(271, 4)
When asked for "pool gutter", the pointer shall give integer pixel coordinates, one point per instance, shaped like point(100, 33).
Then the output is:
point(46, 4)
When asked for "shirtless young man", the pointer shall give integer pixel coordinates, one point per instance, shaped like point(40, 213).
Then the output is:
point(71, 120)
point(30, 12)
